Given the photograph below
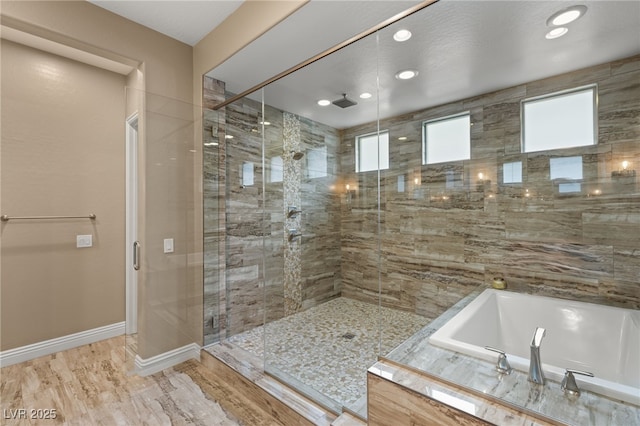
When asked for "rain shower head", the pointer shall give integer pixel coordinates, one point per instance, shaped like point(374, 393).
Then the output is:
point(344, 102)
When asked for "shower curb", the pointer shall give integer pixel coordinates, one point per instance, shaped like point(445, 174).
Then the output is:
point(244, 375)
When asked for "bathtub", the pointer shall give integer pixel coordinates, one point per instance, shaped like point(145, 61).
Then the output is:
point(583, 336)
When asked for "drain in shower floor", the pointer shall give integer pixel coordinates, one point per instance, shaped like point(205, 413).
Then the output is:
point(348, 336)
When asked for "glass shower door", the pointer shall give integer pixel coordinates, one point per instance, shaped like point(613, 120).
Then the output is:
point(169, 313)
point(322, 326)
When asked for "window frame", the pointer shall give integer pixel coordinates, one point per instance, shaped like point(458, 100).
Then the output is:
point(357, 150)
point(425, 161)
point(594, 89)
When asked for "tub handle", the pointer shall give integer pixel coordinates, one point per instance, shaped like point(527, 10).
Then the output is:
point(569, 385)
point(293, 234)
point(502, 366)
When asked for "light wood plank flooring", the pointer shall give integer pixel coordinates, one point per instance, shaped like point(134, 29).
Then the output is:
point(89, 386)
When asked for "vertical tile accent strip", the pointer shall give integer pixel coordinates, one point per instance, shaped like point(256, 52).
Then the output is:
point(291, 177)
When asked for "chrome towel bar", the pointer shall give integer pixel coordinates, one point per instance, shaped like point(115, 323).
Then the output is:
point(6, 218)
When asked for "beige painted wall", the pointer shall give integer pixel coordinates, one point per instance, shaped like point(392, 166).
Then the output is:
point(62, 154)
point(167, 68)
point(173, 70)
point(168, 62)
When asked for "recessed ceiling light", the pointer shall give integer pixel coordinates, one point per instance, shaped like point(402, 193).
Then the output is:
point(266, 123)
point(365, 95)
point(565, 16)
point(402, 35)
point(324, 102)
point(406, 74)
point(402, 138)
point(556, 32)
point(228, 136)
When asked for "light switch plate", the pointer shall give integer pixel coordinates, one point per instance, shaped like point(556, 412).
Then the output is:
point(168, 245)
point(83, 241)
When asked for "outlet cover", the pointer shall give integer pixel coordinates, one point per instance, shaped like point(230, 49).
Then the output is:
point(83, 241)
point(168, 245)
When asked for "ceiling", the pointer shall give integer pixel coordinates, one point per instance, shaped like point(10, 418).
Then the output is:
point(314, 28)
point(185, 20)
point(461, 48)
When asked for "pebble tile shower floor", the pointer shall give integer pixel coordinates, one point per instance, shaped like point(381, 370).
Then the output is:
point(329, 347)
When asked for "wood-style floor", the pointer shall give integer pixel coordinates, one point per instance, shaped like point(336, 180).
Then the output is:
point(89, 386)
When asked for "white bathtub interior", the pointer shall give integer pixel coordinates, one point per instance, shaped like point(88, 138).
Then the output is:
point(599, 339)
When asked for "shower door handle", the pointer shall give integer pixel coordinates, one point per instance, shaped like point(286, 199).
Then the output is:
point(136, 255)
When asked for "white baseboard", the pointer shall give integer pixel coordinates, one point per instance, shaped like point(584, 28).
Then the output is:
point(145, 367)
point(47, 347)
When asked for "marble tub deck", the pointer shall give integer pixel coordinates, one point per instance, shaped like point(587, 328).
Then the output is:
point(327, 349)
point(480, 377)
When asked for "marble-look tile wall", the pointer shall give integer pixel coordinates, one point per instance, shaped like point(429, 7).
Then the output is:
point(246, 224)
point(442, 235)
point(321, 277)
point(213, 181)
point(445, 233)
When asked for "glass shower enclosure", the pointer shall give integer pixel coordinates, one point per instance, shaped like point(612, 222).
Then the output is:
point(326, 263)
point(161, 315)
point(300, 235)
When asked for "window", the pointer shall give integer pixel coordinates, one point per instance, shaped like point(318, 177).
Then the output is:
point(446, 139)
point(565, 168)
point(247, 173)
point(317, 162)
point(367, 149)
point(512, 172)
point(401, 183)
point(567, 173)
point(559, 120)
point(277, 169)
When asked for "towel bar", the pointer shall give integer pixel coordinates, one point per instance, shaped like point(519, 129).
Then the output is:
point(6, 218)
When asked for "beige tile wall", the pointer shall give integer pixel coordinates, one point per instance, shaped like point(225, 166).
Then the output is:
point(241, 227)
point(438, 242)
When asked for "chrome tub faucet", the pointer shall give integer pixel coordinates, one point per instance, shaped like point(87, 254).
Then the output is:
point(569, 385)
point(536, 374)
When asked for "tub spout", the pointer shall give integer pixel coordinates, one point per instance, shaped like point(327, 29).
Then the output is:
point(536, 374)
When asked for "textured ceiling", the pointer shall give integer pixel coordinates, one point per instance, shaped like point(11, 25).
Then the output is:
point(461, 49)
point(314, 28)
point(185, 20)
